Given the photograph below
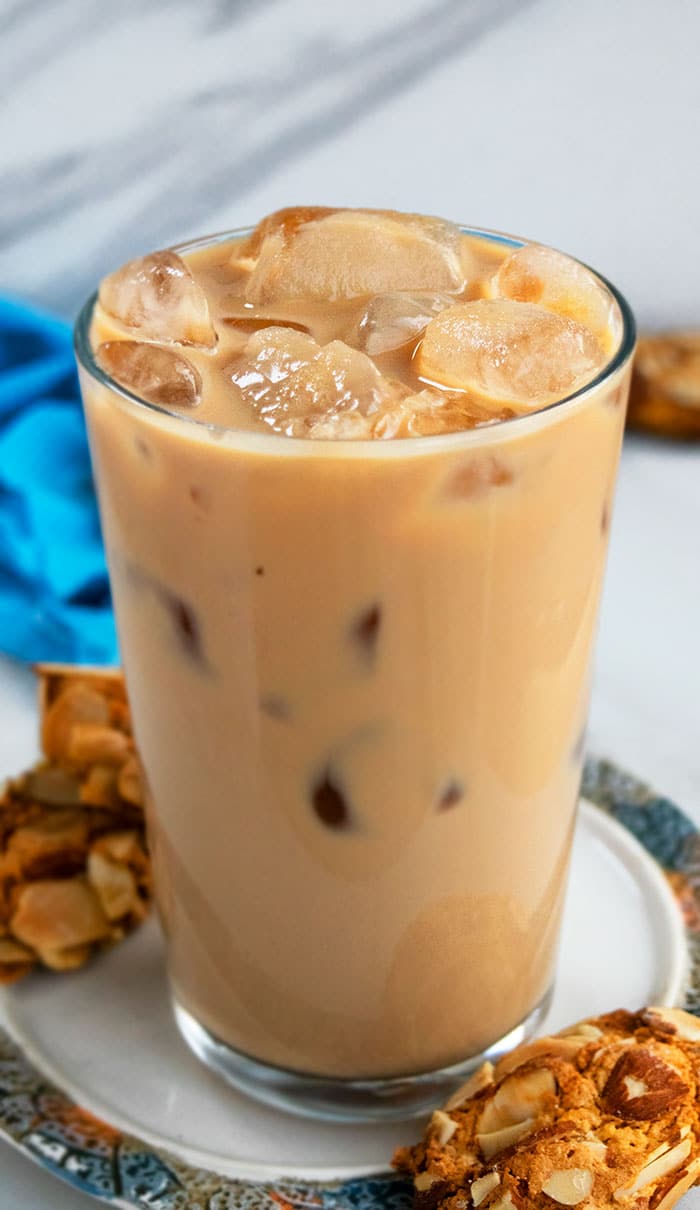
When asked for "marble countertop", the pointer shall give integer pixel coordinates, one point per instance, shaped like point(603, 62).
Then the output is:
point(124, 127)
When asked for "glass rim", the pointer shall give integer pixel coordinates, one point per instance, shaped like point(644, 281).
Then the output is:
point(280, 442)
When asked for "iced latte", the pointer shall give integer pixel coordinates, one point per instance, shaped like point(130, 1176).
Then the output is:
point(356, 472)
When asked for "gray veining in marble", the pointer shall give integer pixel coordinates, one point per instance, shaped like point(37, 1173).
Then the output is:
point(259, 88)
point(126, 126)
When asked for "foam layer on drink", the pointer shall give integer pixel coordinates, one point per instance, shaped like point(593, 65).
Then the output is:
point(350, 324)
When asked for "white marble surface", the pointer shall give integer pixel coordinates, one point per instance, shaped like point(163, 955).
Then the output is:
point(127, 126)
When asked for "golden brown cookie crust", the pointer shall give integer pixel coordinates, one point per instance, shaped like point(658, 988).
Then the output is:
point(74, 869)
point(604, 1114)
point(665, 391)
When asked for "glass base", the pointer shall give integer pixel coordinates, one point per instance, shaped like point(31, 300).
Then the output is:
point(380, 1100)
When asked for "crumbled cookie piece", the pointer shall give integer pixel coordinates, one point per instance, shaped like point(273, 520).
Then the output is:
point(604, 1114)
point(665, 390)
point(74, 868)
point(85, 717)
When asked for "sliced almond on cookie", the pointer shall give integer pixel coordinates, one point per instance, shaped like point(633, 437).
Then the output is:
point(423, 1181)
point(569, 1186)
point(503, 1203)
point(681, 1186)
point(684, 1025)
point(522, 1095)
point(495, 1141)
point(58, 914)
point(656, 1169)
point(583, 1029)
point(93, 743)
point(76, 704)
point(555, 1046)
point(479, 1079)
point(442, 1127)
point(114, 885)
point(68, 959)
point(484, 1185)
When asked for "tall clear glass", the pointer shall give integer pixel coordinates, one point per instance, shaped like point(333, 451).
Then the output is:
point(359, 676)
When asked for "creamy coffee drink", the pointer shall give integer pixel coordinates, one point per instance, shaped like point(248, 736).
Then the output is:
point(356, 530)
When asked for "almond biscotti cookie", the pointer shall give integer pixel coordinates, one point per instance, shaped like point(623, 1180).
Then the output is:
point(75, 874)
point(604, 1114)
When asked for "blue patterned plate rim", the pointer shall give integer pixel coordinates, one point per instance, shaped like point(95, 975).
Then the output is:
point(92, 1156)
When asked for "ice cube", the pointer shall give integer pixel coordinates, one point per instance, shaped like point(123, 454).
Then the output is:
point(541, 275)
point(158, 298)
point(253, 323)
point(430, 412)
point(477, 476)
point(511, 351)
point(391, 320)
point(286, 221)
point(351, 253)
point(335, 426)
point(240, 327)
point(157, 375)
point(269, 357)
point(294, 384)
point(357, 381)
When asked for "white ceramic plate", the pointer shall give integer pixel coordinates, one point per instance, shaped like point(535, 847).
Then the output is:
point(96, 1083)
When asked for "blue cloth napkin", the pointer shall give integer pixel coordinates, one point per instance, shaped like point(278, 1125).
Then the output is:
point(54, 593)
